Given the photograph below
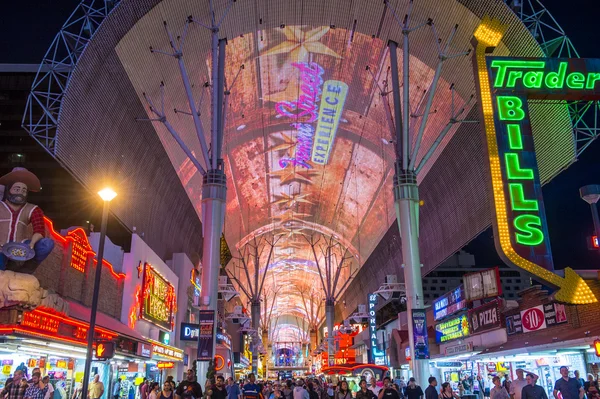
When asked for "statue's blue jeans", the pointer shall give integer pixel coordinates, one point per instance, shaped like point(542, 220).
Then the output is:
point(42, 249)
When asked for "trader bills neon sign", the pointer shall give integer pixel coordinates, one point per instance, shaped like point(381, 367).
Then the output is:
point(305, 111)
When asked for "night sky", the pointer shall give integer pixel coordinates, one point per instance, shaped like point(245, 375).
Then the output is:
point(28, 28)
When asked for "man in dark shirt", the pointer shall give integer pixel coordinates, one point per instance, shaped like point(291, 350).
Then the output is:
point(189, 388)
point(388, 392)
point(532, 391)
point(568, 387)
point(218, 390)
point(431, 392)
point(413, 391)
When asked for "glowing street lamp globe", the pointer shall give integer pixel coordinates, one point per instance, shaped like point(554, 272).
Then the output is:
point(107, 194)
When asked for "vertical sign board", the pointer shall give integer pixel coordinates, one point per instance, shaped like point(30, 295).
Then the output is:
point(505, 85)
point(421, 339)
point(158, 302)
point(205, 335)
point(376, 354)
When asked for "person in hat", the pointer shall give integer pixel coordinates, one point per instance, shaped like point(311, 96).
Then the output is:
point(21, 221)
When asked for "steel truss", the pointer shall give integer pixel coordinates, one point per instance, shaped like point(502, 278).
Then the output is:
point(42, 111)
point(555, 43)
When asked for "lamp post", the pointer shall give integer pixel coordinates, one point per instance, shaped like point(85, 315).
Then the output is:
point(591, 195)
point(107, 195)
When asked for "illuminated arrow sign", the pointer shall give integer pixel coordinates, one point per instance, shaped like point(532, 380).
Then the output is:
point(505, 85)
point(105, 350)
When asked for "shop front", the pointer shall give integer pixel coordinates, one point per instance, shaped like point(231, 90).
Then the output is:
point(241, 365)
point(56, 344)
point(165, 359)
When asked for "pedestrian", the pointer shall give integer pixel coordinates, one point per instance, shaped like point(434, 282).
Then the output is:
point(288, 392)
point(154, 391)
point(498, 391)
point(344, 391)
point(578, 377)
point(388, 392)
point(569, 388)
point(37, 389)
point(251, 389)
point(189, 388)
point(16, 389)
point(364, 392)
point(479, 387)
point(591, 388)
point(516, 386)
point(312, 394)
point(218, 390)
point(300, 391)
point(431, 391)
point(144, 389)
point(117, 389)
point(96, 388)
point(532, 391)
point(412, 390)
point(233, 389)
point(447, 392)
point(167, 391)
point(373, 387)
point(77, 391)
point(50, 393)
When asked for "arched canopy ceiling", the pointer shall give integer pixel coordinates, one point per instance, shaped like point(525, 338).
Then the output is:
point(306, 54)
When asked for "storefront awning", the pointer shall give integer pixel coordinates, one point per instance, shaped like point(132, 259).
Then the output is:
point(568, 340)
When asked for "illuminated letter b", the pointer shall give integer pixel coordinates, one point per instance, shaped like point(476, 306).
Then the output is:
point(510, 108)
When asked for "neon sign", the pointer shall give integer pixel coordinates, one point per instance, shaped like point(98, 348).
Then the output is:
point(457, 327)
point(158, 302)
point(376, 354)
point(505, 84)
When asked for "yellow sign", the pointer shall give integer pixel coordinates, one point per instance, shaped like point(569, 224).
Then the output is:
point(225, 252)
point(78, 376)
point(572, 288)
point(6, 369)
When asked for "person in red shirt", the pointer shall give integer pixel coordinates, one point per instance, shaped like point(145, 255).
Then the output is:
point(21, 221)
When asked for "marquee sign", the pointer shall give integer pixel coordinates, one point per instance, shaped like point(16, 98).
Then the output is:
point(536, 318)
point(505, 85)
point(158, 302)
point(454, 328)
point(449, 303)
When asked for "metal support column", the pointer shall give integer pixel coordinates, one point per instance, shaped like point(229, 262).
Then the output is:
point(255, 314)
point(406, 197)
point(329, 317)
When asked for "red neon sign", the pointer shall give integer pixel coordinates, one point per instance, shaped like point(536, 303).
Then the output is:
point(595, 243)
point(219, 362)
point(597, 347)
point(81, 247)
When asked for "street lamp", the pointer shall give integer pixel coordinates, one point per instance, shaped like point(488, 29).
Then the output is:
point(591, 195)
point(107, 195)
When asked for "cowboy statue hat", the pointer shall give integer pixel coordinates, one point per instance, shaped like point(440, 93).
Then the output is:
point(21, 175)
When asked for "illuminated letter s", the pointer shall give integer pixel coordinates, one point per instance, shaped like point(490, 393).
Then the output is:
point(529, 230)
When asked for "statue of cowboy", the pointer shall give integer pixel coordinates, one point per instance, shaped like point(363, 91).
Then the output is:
point(22, 222)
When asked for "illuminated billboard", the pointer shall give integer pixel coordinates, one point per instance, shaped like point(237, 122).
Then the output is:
point(158, 302)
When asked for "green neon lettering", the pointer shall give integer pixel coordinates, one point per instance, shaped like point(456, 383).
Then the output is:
point(529, 230)
point(591, 80)
point(575, 80)
point(510, 108)
point(518, 200)
point(513, 76)
point(556, 80)
point(504, 65)
point(515, 142)
point(533, 80)
point(514, 170)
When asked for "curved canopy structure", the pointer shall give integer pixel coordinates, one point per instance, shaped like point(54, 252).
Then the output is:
point(296, 168)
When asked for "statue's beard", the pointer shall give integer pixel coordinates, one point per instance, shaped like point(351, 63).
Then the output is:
point(17, 199)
